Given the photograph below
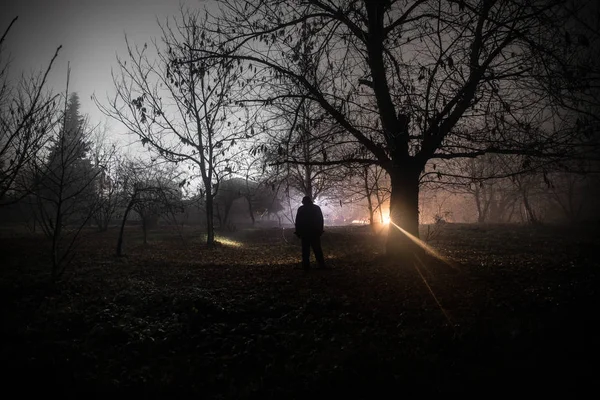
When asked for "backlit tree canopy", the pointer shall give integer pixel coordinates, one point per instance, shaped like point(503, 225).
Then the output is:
point(409, 81)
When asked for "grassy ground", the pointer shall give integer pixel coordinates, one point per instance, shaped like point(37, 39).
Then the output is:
point(506, 309)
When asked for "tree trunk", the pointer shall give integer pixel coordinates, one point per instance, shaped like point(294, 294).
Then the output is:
point(403, 235)
point(308, 188)
point(217, 207)
point(228, 205)
point(379, 204)
point(477, 197)
point(210, 228)
point(120, 239)
point(512, 211)
point(145, 229)
point(55, 246)
point(250, 209)
point(531, 217)
point(371, 212)
point(368, 194)
point(56, 235)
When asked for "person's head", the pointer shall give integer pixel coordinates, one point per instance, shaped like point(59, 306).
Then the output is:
point(306, 200)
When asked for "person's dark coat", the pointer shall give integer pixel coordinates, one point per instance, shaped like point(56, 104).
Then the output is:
point(309, 227)
point(309, 221)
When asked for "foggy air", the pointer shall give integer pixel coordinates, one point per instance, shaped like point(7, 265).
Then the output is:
point(243, 199)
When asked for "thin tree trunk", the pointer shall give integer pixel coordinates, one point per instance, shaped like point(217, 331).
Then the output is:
point(227, 210)
point(371, 212)
point(250, 210)
point(57, 232)
point(145, 229)
point(488, 199)
point(219, 213)
point(55, 246)
point(120, 239)
point(531, 217)
point(512, 211)
point(379, 204)
point(210, 228)
point(368, 193)
point(477, 196)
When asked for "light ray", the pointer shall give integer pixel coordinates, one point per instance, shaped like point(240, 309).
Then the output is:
point(431, 251)
point(432, 292)
point(424, 246)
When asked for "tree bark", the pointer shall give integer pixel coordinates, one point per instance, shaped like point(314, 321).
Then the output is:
point(145, 228)
point(480, 212)
point(123, 221)
point(308, 188)
point(55, 245)
point(368, 194)
point(210, 228)
point(379, 204)
point(228, 205)
point(403, 235)
point(531, 217)
point(250, 209)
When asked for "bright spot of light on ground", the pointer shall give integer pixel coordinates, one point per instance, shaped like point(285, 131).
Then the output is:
point(228, 242)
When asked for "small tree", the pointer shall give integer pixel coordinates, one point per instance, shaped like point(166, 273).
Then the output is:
point(375, 184)
point(147, 189)
point(488, 182)
point(185, 113)
point(567, 190)
point(106, 158)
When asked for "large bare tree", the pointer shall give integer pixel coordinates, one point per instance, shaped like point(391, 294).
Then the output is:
point(442, 79)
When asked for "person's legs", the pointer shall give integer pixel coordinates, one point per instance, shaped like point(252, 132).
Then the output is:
point(318, 250)
point(305, 253)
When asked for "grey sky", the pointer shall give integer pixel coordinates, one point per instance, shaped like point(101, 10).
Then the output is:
point(91, 33)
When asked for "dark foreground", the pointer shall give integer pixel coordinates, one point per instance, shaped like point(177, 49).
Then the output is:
point(514, 312)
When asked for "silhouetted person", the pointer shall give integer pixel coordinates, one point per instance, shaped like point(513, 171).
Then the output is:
point(309, 227)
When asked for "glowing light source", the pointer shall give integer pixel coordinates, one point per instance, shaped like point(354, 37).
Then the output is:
point(386, 219)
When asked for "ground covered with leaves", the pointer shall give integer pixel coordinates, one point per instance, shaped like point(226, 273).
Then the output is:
point(503, 309)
